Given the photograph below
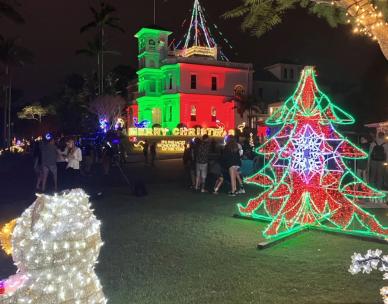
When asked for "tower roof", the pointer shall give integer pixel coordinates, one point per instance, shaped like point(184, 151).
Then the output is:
point(152, 28)
point(198, 40)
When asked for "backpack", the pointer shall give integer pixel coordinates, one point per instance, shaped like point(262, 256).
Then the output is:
point(378, 153)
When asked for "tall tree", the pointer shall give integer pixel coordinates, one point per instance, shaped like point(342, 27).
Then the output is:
point(102, 18)
point(368, 17)
point(247, 104)
point(35, 112)
point(108, 108)
point(8, 10)
point(93, 51)
point(11, 55)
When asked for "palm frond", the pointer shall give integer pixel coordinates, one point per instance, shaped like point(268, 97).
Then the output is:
point(10, 12)
point(88, 26)
point(115, 26)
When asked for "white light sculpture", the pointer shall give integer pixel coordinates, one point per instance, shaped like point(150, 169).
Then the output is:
point(55, 246)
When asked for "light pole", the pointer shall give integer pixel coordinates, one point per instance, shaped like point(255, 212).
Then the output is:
point(154, 11)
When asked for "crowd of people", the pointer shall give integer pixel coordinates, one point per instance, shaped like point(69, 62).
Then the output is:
point(59, 159)
point(203, 158)
point(373, 168)
point(209, 165)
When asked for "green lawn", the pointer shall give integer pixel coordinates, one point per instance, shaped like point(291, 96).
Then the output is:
point(179, 247)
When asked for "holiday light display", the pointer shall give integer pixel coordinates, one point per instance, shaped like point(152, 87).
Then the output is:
point(103, 124)
point(55, 245)
point(307, 181)
point(180, 132)
point(366, 17)
point(199, 40)
point(371, 261)
point(5, 236)
point(173, 146)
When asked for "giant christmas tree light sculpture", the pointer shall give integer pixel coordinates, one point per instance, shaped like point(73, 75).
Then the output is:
point(307, 181)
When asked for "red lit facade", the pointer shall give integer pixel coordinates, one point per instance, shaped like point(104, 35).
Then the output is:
point(195, 91)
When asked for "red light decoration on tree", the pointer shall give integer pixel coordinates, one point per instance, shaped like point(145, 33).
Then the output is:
point(307, 182)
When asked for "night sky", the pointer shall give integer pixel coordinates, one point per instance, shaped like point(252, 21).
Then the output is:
point(52, 33)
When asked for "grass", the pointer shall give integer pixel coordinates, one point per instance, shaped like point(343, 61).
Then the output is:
point(177, 247)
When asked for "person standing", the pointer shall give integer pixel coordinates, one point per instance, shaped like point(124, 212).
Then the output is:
point(74, 157)
point(232, 161)
point(238, 176)
point(153, 153)
point(216, 169)
point(202, 158)
point(189, 163)
point(37, 157)
point(61, 162)
point(145, 151)
point(362, 164)
point(107, 157)
point(49, 163)
point(378, 159)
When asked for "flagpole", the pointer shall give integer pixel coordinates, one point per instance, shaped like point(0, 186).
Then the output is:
point(154, 11)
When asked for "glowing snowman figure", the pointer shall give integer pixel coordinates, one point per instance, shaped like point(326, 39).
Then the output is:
point(55, 245)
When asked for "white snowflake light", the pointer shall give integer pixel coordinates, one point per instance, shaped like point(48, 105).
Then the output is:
point(308, 158)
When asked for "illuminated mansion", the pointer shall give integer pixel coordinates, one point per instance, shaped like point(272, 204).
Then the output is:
point(192, 86)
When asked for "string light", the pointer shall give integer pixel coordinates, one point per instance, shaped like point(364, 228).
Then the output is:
point(55, 246)
point(307, 181)
point(175, 146)
point(5, 236)
point(199, 40)
point(366, 18)
point(371, 261)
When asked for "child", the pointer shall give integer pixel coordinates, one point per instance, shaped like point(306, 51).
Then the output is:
point(215, 169)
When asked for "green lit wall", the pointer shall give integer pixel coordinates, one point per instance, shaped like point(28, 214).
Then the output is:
point(159, 101)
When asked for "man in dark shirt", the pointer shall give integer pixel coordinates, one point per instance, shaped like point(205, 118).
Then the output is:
point(49, 162)
point(202, 158)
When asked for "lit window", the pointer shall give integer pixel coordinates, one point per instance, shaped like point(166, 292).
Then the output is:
point(170, 83)
point(239, 90)
point(193, 113)
point(214, 83)
point(214, 114)
point(193, 83)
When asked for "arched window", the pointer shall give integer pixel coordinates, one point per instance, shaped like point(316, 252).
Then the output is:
point(193, 113)
point(213, 114)
point(239, 90)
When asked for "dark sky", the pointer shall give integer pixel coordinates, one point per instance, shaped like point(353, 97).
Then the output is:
point(52, 33)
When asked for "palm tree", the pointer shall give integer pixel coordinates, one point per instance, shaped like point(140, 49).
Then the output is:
point(11, 55)
point(7, 10)
point(102, 18)
point(367, 16)
point(93, 51)
point(247, 104)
